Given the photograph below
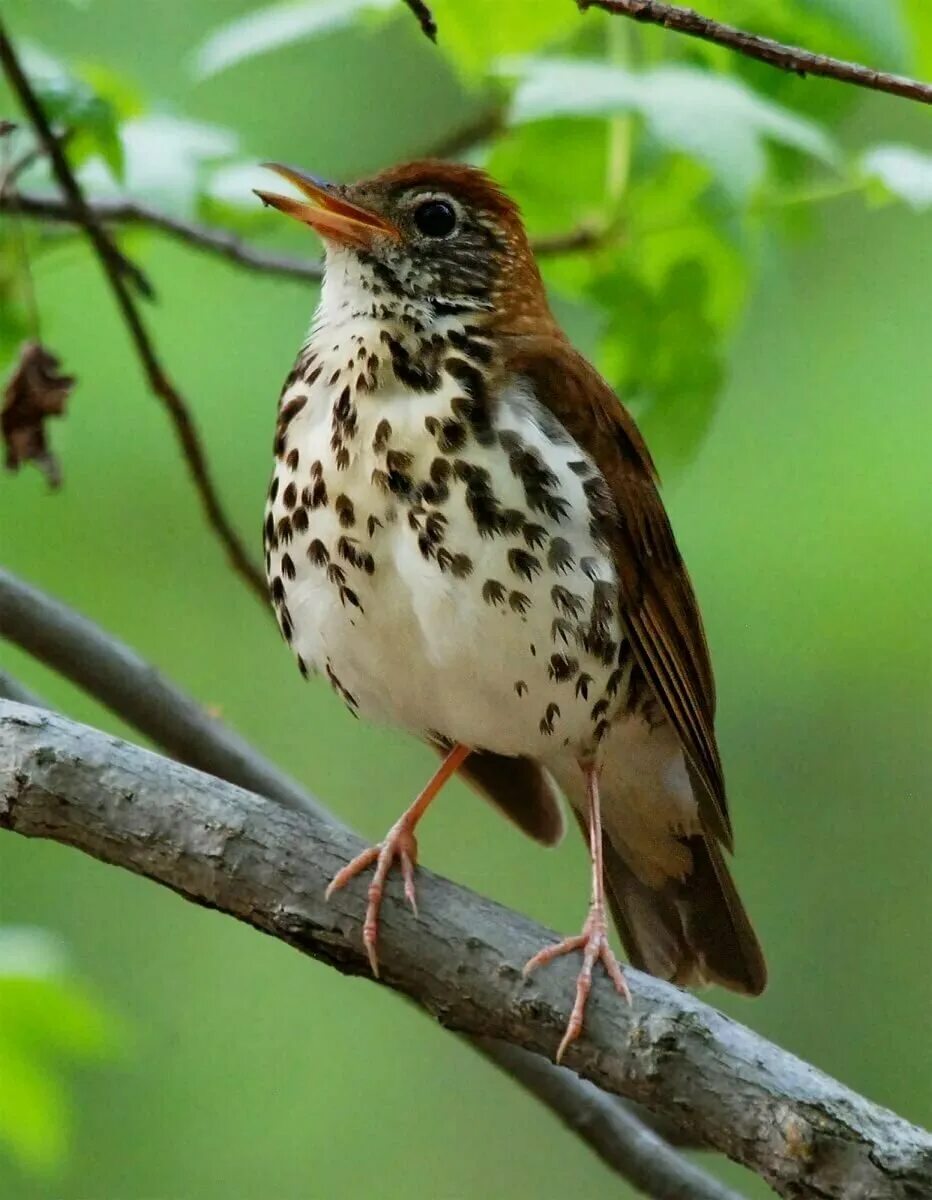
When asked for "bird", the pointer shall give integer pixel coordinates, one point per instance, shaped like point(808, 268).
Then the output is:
point(464, 534)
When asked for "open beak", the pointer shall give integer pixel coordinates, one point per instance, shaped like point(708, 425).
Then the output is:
point(326, 213)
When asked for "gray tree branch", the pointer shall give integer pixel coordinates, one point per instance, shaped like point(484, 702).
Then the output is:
point(775, 54)
point(217, 845)
point(137, 693)
point(220, 242)
point(12, 689)
point(620, 1134)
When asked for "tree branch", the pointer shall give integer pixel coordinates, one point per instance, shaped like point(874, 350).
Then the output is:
point(582, 238)
point(775, 54)
point(221, 242)
point(131, 688)
point(217, 845)
point(481, 128)
point(115, 675)
point(12, 689)
point(424, 18)
point(159, 382)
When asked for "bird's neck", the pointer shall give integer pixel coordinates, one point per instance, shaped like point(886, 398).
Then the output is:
point(362, 318)
point(358, 291)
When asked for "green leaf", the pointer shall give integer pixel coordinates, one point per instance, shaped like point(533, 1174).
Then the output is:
point(904, 171)
point(476, 34)
point(166, 157)
point(663, 354)
point(73, 104)
point(34, 1118)
point(877, 25)
point(55, 1016)
point(919, 19)
point(718, 120)
point(121, 93)
point(558, 170)
point(233, 184)
point(271, 28)
point(47, 1020)
point(15, 309)
point(843, 28)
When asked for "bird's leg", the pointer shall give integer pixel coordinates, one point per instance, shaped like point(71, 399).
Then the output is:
point(399, 843)
point(593, 941)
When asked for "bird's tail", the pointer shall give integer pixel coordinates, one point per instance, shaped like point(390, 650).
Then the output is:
point(669, 889)
point(691, 930)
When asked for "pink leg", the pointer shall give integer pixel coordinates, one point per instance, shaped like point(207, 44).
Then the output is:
point(593, 941)
point(399, 843)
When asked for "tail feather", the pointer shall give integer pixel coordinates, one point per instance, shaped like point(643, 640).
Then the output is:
point(671, 893)
point(691, 931)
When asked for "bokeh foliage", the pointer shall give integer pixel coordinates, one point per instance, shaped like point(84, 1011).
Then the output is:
point(759, 294)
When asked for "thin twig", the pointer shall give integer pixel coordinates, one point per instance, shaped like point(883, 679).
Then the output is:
point(481, 128)
point(807, 1135)
point(607, 1122)
point(137, 693)
point(159, 382)
point(221, 242)
point(116, 676)
point(12, 689)
point(775, 54)
point(582, 238)
point(133, 272)
point(424, 18)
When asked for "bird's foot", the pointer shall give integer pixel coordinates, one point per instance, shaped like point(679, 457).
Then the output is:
point(399, 843)
point(593, 942)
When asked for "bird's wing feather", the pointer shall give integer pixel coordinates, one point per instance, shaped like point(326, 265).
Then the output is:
point(518, 787)
point(658, 606)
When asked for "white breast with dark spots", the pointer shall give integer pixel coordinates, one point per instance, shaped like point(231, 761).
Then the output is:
point(444, 568)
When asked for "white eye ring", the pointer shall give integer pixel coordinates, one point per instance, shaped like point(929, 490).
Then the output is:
point(435, 216)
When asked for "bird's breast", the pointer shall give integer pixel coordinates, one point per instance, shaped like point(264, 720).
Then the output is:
point(435, 546)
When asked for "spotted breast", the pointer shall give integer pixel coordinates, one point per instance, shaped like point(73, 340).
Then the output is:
point(434, 544)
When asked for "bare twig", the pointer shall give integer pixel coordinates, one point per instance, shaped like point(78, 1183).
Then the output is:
point(424, 18)
point(775, 54)
point(115, 675)
point(808, 1136)
point(137, 693)
point(204, 237)
point(573, 241)
point(133, 272)
point(12, 689)
point(607, 1123)
point(481, 128)
point(159, 382)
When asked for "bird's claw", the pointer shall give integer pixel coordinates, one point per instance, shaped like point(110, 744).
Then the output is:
point(399, 843)
point(593, 942)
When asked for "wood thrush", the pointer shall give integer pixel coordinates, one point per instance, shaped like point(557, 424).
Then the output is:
point(464, 533)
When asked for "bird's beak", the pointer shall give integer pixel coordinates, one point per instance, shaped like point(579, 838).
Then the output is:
point(327, 213)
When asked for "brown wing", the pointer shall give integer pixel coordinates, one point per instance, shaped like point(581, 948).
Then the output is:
point(659, 609)
point(519, 788)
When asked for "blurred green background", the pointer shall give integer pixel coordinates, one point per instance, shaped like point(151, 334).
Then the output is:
point(229, 1067)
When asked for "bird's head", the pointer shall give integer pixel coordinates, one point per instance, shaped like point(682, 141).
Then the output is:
point(438, 236)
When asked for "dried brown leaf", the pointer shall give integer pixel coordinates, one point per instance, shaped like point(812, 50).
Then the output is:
point(36, 391)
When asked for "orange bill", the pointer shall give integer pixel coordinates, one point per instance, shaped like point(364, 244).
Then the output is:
point(327, 213)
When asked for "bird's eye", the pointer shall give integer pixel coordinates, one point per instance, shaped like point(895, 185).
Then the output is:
point(435, 218)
